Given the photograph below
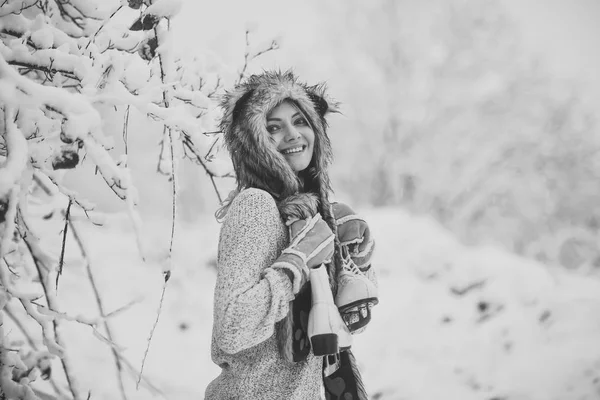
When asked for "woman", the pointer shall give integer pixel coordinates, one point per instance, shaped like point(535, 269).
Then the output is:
point(280, 231)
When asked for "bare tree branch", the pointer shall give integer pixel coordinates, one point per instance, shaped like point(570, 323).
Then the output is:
point(12, 315)
point(61, 261)
point(103, 25)
point(11, 10)
point(167, 275)
point(100, 306)
point(78, 20)
point(217, 87)
point(169, 137)
point(125, 131)
point(248, 57)
point(43, 273)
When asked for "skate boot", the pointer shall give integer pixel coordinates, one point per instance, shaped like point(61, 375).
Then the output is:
point(327, 331)
point(356, 296)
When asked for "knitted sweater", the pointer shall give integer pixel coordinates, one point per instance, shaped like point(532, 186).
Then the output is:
point(250, 297)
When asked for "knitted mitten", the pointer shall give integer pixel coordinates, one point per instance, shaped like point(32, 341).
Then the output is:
point(311, 244)
point(353, 233)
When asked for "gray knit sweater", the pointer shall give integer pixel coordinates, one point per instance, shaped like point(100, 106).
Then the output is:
point(250, 297)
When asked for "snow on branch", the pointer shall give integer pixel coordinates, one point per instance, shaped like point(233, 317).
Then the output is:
point(8, 7)
point(16, 159)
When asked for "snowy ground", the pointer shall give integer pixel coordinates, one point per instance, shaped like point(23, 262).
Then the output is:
point(453, 322)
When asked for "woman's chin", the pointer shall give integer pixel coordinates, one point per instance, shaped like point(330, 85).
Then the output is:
point(298, 165)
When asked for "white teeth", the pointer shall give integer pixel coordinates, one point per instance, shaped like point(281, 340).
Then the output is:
point(293, 150)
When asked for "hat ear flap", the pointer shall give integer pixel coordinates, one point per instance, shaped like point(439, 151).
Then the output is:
point(323, 103)
point(320, 103)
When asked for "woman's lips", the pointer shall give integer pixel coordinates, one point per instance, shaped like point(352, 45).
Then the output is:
point(293, 150)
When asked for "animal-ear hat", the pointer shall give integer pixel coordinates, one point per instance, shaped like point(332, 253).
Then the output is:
point(255, 157)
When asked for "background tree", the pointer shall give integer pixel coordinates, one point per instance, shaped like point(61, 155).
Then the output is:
point(475, 132)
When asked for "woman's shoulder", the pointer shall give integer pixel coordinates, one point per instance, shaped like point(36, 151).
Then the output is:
point(252, 210)
point(253, 200)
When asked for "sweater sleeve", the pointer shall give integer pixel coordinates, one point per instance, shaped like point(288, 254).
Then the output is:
point(250, 296)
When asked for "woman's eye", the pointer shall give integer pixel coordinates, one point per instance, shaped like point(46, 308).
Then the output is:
point(301, 121)
point(272, 128)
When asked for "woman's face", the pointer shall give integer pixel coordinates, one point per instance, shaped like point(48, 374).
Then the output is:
point(292, 135)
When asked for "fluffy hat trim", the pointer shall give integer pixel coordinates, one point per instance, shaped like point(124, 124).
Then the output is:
point(255, 157)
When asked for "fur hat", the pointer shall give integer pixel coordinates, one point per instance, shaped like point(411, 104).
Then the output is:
point(256, 161)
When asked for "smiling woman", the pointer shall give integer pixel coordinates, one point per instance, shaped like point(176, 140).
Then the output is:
point(294, 274)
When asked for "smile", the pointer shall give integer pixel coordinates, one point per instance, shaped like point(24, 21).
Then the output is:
point(293, 150)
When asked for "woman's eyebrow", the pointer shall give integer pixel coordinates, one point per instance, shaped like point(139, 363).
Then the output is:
point(279, 119)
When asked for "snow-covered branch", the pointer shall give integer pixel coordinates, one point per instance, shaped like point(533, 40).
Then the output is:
point(68, 68)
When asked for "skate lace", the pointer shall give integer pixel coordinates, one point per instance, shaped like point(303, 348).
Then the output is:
point(350, 266)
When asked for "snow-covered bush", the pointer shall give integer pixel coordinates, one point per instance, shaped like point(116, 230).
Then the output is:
point(70, 72)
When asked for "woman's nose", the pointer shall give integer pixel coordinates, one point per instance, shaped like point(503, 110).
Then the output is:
point(291, 133)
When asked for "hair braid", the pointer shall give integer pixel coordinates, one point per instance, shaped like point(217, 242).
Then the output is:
point(316, 180)
point(327, 214)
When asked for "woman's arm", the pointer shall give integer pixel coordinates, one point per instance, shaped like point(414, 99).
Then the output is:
point(250, 296)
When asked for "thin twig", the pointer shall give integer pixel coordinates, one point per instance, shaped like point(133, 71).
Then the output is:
point(208, 153)
point(42, 271)
point(190, 145)
point(464, 290)
point(8, 310)
point(173, 191)
point(19, 35)
point(61, 261)
point(145, 381)
point(121, 309)
point(246, 55)
point(216, 88)
point(274, 46)
point(167, 274)
point(248, 58)
point(49, 70)
point(79, 21)
point(70, 194)
point(100, 306)
point(10, 269)
point(212, 179)
point(102, 26)
point(125, 131)
point(23, 8)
